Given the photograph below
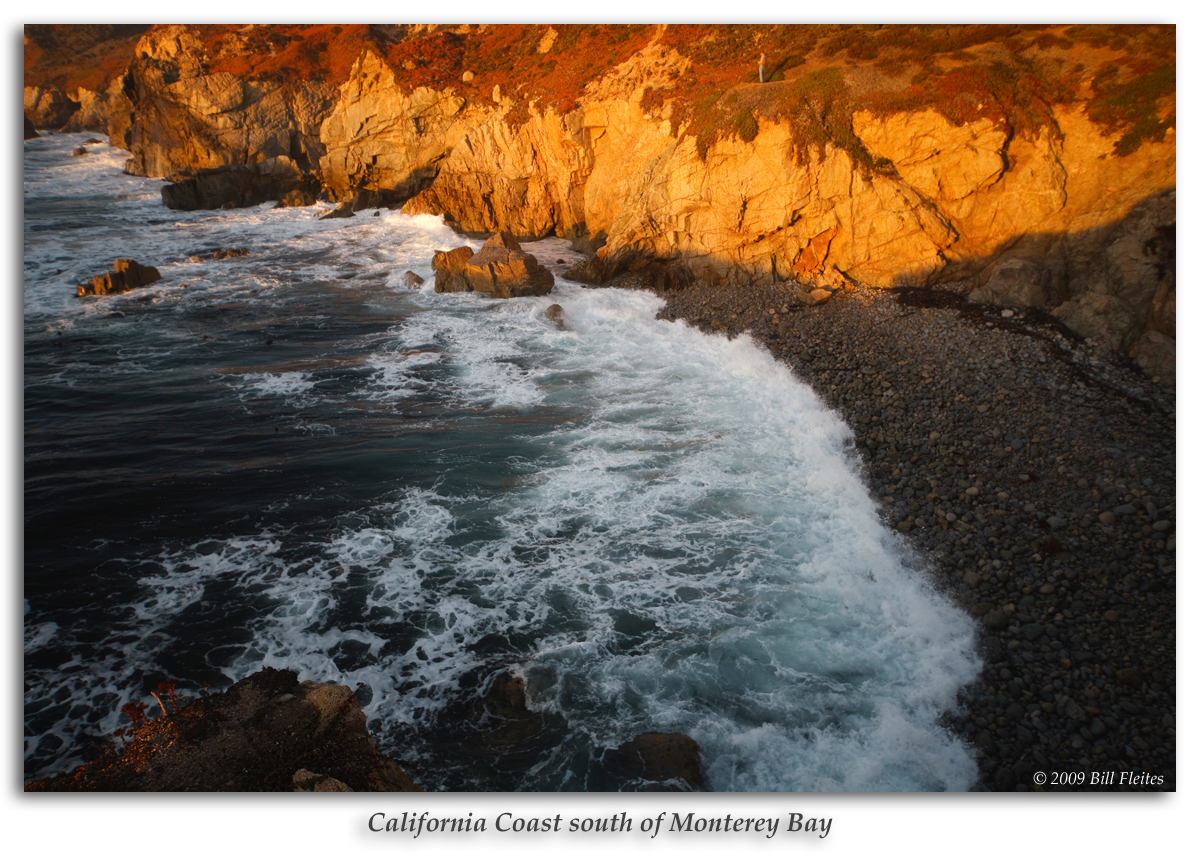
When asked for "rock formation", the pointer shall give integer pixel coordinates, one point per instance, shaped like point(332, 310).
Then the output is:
point(265, 733)
point(501, 269)
point(126, 275)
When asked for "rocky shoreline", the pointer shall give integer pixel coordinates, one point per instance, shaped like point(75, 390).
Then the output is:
point(1034, 472)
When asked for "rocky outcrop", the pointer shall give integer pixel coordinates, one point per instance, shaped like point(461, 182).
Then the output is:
point(501, 269)
point(126, 275)
point(185, 120)
point(48, 108)
point(268, 732)
point(30, 130)
point(241, 186)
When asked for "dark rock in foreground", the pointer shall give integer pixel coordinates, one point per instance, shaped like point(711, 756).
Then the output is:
point(126, 275)
point(656, 763)
point(266, 733)
point(501, 269)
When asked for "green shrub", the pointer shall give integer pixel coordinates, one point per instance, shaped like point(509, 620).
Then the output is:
point(746, 125)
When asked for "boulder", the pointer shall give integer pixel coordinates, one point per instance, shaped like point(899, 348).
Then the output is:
point(126, 275)
point(501, 269)
point(412, 280)
point(813, 297)
point(450, 267)
point(30, 132)
point(345, 210)
point(557, 315)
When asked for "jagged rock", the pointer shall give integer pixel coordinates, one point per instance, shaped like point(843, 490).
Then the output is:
point(298, 198)
point(48, 108)
point(412, 280)
point(267, 732)
point(238, 186)
point(501, 269)
point(450, 268)
point(656, 762)
point(126, 275)
point(92, 113)
point(557, 315)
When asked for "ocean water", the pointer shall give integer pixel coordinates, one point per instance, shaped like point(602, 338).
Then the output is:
point(290, 459)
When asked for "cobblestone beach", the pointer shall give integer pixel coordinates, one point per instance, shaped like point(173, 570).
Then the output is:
point(1034, 475)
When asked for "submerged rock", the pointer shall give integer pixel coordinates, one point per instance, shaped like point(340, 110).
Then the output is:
point(221, 254)
point(501, 269)
point(126, 275)
point(412, 280)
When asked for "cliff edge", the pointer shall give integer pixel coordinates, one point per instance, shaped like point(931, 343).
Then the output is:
point(1030, 166)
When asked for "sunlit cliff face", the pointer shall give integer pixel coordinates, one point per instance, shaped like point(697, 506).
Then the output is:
point(885, 156)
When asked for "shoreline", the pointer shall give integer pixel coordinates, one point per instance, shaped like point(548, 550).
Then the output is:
point(1034, 474)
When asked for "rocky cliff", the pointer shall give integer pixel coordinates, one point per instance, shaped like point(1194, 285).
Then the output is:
point(1034, 167)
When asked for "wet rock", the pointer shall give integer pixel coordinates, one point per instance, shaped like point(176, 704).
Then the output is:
point(557, 315)
point(230, 187)
point(267, 732)
point(126, 275)
point(500, 269)
point(450, 270)
point(656, 762)
point(345, 210)
point(221, 254)
point(412, 280)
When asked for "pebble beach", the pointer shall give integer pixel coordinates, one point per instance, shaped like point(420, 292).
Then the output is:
point(1033, 475)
